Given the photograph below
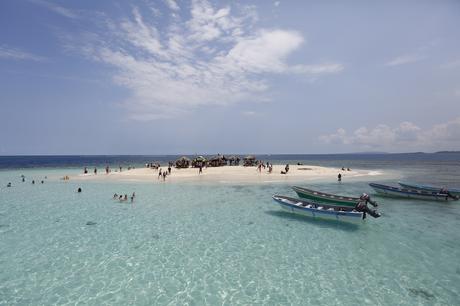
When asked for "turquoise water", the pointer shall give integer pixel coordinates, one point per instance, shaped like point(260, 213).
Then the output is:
point(218, 244)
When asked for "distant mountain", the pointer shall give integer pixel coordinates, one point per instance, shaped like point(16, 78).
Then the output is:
point(447, 152)
point(372, 152)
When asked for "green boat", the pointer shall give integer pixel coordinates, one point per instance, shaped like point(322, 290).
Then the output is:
point(325, 197)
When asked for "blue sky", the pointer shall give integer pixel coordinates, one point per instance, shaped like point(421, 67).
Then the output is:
point(185, 77)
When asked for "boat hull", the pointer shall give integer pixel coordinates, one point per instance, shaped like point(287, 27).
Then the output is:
point(409, 193)
point(316, 210)
point(454, 192)
point(322, 197)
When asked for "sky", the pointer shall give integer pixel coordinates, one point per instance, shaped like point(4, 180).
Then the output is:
point(208, 77)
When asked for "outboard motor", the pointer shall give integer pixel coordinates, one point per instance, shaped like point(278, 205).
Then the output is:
point(448, 194)
point(362, 206)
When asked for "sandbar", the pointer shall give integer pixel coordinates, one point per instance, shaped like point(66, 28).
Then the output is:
point(232, 174)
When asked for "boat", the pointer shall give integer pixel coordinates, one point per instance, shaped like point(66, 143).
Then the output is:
point(323, 197)
point(410, 193)
point(452, 191)
point(317, 210)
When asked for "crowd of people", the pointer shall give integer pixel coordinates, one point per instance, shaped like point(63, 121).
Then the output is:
point(124, 198)
point(107, 169)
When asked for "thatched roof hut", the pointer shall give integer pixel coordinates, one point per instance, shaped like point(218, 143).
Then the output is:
point(199, 161)
point(250, 161)
point(183, 162)
point(217, 161)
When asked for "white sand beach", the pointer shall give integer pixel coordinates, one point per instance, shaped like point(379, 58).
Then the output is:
point(231, 174)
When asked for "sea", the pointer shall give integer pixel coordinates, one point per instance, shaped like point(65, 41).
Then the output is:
point(223, 243)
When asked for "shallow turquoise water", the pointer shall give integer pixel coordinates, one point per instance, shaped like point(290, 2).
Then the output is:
point(217, 244)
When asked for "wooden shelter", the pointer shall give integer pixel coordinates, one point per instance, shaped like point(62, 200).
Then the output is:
point(217, 161)
point(199, 161)
point(183, 162)
point(250, 161)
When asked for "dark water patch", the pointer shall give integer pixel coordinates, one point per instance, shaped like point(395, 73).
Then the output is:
point(91, 223)
point(4, 225)
point(421, 293)
point(250, 223)
point(340, 225)
point(156, 236)
point(457, 271)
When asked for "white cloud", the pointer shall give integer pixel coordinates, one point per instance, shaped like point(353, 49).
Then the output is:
point(217, 57)
point(16, 54)
point(276, 3)
point(56, 8)
point(405, 136)
point(172, 4)
point(405, 59)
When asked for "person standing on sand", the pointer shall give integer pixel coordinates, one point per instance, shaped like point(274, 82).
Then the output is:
point(159, 173)
point(169, 169)
point(95, 170)
point(164, 175)
point(201, 169)
point(339, 177)
point(286, 168)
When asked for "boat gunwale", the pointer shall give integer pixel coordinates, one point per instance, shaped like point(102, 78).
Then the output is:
point(415, 194)
point(349, 212)
point(324, 195)
point(426, 187)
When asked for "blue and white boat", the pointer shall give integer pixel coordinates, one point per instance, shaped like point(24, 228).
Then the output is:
point(452, 191)
point(410, 193)
point(316, 210)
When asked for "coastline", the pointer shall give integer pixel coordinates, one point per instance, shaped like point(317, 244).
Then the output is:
point(230, 174)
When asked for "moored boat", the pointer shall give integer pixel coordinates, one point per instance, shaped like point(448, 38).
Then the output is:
point(323, 197)
point(317, 210)
point(410, 193)
point(452, 191)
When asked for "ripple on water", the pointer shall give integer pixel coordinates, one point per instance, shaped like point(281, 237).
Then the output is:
point(185, 244)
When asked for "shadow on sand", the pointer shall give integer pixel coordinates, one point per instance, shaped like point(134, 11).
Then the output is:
point(341, 225)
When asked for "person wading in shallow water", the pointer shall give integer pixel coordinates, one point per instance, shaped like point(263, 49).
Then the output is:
point(339, 177)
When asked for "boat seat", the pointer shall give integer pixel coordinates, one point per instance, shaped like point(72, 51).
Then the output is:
point(320, 207)
point(308, 206)
point(330, 208)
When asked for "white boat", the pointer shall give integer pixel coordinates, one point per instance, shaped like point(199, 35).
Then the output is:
point(316, 210)
point(410, 193)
